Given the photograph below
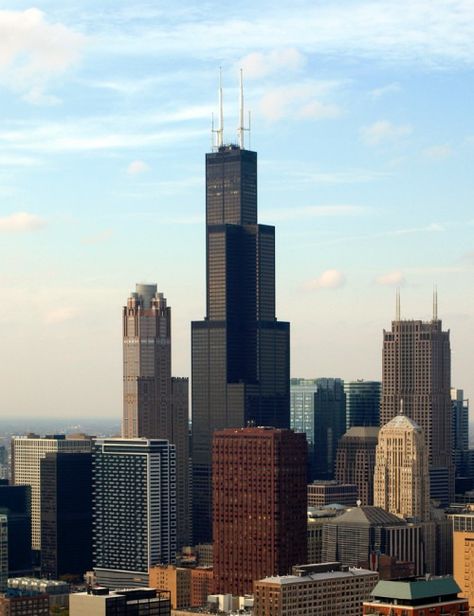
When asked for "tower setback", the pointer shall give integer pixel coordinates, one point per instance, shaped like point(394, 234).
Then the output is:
point(240, 352)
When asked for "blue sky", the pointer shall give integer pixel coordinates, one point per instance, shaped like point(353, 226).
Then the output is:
point(362, 119)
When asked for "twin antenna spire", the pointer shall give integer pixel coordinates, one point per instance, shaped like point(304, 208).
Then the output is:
point(435, 305)
point(218, 141)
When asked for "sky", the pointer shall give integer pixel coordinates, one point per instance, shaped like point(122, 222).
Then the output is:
point(361, 114)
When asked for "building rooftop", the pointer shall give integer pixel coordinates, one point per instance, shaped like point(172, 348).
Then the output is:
point(363, 432)
point(416, 589)
point(367, 515)
point(317, 577)
point(403, 422)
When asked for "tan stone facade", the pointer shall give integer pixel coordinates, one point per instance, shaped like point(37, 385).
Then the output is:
point(463, 553)
point(175, 579)
point(401, 479)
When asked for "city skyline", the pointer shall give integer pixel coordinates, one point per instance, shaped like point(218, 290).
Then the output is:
point(364, 144)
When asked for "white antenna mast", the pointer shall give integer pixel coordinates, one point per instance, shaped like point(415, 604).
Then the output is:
point(398, 311)
point(241, 128)
point(435, 303)
point(219, 132)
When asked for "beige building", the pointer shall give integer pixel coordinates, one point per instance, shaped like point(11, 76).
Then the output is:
point(401, 478)
point(27, 453)
point(175, 579)
point(155, 404)
point(463, 553)
point(328, 589)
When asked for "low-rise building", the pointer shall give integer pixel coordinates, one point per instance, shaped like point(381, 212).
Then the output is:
point(322, 493)
point(201, 585)
point(101, 601)
point(327, 589)
point(177, 580)
point(423, 597)
point(21, 603)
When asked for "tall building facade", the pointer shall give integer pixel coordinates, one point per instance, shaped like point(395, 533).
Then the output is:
point(362, 403)
point(134, 510)
point(240, 352)
point(259, 504)
point(401, 479)
point(318, 408)
point(27, 453)
point(355, 460)
point(417, 369)
point(15, 504)
point(66, 514)
point(155, 405)
point(463, 553)
point(460, 409)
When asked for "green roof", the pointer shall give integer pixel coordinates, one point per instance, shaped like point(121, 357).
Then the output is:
point(417, 589)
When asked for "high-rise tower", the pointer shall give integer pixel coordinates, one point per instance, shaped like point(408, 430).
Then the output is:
point(240, 352)
point(417, 368)
point(155, 405)
point(260, 506)
point(401, 479)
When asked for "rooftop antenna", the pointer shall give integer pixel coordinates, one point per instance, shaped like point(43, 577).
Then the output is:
point(435, 303)
point(241, 128)
point(219, 131)
point(397, 310)
point(402, 410)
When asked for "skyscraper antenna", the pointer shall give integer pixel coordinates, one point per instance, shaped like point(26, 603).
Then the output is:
point(397, 309)
point(402, 410)
point(435, 303)
point(219, 132)
point(241, 128)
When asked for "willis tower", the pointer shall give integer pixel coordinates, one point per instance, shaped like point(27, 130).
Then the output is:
point(240, 352)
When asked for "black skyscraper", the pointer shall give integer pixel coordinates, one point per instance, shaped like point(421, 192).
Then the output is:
point(66, 514)
point(240, 353)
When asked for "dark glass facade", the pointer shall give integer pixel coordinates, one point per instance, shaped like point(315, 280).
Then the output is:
point(362, 403)
point(240, 352)
point(15, 503)
point(66, 514)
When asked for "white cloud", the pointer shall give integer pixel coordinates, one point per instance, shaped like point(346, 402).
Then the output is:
point(258, 65)
point(137, 167)
point(20, 222)
point(417, 31)
point(438, 152)
point(382, 131)
point(330, 279)
point(391, 88)
point(60, 314)
point(32, 51)
point(391, 279)
point(299, 100)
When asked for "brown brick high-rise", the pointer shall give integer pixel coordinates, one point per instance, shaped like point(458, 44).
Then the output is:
point(259, 505)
